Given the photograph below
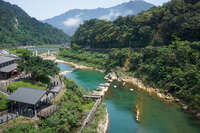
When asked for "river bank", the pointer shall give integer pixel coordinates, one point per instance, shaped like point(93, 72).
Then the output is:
point(115, 75)
point(166, 97)
point(75, 65)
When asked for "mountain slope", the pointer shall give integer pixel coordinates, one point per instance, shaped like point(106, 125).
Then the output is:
point(16, 27)
point(70, 20)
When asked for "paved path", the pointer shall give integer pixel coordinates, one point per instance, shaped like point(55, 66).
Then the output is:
point(58, 85)
point(4, 93)
point(91, 114)
point(7, 117)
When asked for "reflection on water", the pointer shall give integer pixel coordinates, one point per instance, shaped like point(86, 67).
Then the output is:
point(154, 115)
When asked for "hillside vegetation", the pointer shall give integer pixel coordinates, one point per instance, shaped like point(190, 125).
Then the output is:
point(158, 26)
point(17, 27)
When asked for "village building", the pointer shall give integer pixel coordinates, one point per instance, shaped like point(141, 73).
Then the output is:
point(8, 67)
point(28, 101)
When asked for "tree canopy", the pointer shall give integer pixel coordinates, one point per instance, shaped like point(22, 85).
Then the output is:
point(39, 69)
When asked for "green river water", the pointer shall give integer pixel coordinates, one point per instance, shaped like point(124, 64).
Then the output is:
point(155, 115)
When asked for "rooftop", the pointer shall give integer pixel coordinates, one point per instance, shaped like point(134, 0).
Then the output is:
point(4, 59)
point(8, 68)
point(27, 95)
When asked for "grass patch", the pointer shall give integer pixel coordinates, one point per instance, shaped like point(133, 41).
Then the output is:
point(4, 103)
point(87, 107)
point(27, 83)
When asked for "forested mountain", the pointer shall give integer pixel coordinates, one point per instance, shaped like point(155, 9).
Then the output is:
point(17, 27)
point(71, 20)
point(157, 27)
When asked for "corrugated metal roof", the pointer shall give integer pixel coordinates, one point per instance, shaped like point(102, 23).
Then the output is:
point(8, 68)
point(27, 95)
point(4, 59)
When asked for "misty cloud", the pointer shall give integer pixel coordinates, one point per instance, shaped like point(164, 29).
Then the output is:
point(112, 15)
point(75, 21)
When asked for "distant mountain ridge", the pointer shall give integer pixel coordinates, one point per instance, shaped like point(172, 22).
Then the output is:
point(17, 27)
point(71, 20)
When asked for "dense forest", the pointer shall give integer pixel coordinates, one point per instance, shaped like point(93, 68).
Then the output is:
point(17, 27)
point(158, 26)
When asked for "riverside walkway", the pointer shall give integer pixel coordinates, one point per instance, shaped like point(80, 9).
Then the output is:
point(8, 117)
point(91, 114)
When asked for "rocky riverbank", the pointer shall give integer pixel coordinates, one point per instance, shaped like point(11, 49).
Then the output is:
point(155, 91)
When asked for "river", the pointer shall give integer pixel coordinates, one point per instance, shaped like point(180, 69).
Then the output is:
point(155, 116)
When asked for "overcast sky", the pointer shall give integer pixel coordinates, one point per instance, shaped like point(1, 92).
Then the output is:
point(43, 9)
